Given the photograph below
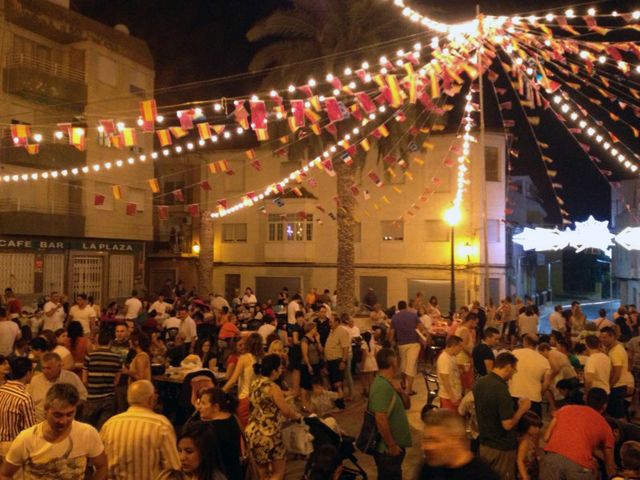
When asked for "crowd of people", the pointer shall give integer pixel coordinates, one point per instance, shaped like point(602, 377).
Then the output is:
point(84, 388)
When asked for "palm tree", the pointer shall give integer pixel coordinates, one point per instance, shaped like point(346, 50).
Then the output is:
point(325, 29)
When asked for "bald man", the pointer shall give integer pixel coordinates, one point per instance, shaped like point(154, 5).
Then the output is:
point(139, 442)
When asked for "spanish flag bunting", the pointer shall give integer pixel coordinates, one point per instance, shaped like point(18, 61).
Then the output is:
point(218, 129)
point(291, 121)
point(148, 110)
point(117, 192)
point(78, 138)
point(366, 146)
point(297, 192)
point(365, 102)
point(394, 89)
point(413, 89)
point(178, 132)
point(312, 116)
point(205, 185)
point(129, 137)
point(408, 67)
point(164, 137)
point(32, 149)
point(333, 109)
point(636, 132)
point(222, 202)
point(396, 189)
point(258, 114)
point(379, 79)
point(204, 130)
point(435, 85)
point(315, 103)
point(327, 164)
point(383, 130)
point(20, 131)
point(219, 166)
point(154, 185)
point(428, 145)
point(262, 134)
point(186, 118)
point(163, 212)
point(355, 112)
point(315, 128)
point(332, 129)
point(115, 140)
point(98, 200)
point(241, 115)
point(298, 113)
point(284, 139)
point(391, 172)
point(535, 121)
point(178, 196)
point(348, 160)
point(408, 175)
point(251, 154)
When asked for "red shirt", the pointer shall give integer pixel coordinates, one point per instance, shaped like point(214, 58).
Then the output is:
point(579, 430)
point(228, 330)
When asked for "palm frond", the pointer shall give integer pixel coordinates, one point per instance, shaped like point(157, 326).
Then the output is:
point(283, 24)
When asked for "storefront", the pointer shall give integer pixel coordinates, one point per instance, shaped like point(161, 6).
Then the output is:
point(105, 269)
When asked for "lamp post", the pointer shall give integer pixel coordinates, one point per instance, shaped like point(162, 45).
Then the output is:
point(452, 217)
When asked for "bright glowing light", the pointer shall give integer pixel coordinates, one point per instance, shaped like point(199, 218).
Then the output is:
point(452, 216)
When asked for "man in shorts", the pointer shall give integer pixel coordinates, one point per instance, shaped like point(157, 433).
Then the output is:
point(336, 352)
point(403, 330)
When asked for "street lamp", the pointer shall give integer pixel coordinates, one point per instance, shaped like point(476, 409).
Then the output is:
point(452, 217)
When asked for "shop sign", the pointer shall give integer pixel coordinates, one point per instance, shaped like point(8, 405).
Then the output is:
point(46, 244)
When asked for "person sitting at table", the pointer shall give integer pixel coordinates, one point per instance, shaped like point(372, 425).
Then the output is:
point(232, 359)
point(158, 349)
point(206, 354)
point(177, 351)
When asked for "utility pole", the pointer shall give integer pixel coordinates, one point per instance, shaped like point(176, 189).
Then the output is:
point(485, 220)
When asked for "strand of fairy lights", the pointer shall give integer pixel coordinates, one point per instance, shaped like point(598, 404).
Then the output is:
point(463, 159)
point(317, 162)
point(190, 146)
point(584, 124)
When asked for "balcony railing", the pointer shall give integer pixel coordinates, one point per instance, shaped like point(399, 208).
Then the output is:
point(13, 205)
point(55, 69)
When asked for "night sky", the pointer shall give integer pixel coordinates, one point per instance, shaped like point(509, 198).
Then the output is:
point(200, 40)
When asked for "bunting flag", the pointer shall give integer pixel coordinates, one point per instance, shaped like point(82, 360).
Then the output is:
point(163, 212)
point(297, 192)
point(98, 200)
point(194, 210)
point(32, 149)
point(375, 178)
point(327, 164)
point(148, 110)
point(333, 109)
point(129, 137)
point(204, 130)
point(297, 110)
point(21, 133)
point(115, 140)
point(131, 209)
point(186, 119)
point(219, 166)
point(395, 99)
point(251, 154)
point(108, 126)
point(218, 129)
point(205, 185)
point(154, 185)
point(258, 114)
point(164, 137)
point(178, 132)
point(117, 192)
point(241, 115)
point(262, 134)
point(78, 138)
point(366, 146)
point(222, 202)
point(256, 164)
point(178, 196)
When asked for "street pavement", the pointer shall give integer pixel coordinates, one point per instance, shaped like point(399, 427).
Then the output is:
point(589, 307)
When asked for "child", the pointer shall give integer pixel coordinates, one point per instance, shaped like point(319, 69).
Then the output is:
point(528, 460)
point(369, 365)
point(322, 400)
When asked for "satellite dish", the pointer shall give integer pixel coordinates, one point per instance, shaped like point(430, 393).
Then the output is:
point(121, 27)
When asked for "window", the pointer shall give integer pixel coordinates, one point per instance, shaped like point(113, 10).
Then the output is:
point(392, 230)
point(234, 232)
point(492, 164)
point(436, 231)
point(493, 231)
point(291, 227)
point(357, 232)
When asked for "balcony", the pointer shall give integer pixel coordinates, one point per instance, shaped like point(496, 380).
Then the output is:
point(45, 82)
point(31, 217)
point(51, 156)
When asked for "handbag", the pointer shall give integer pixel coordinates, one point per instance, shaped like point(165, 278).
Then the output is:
point(297, 439)
point(369, 436)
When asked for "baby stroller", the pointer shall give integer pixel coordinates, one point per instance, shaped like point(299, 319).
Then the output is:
point(323, 435)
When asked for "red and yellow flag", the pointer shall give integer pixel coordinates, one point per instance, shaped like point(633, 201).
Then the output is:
point(148, 110)
point(262, 134)
point(20, 131)
point(251, 154)
point(204, 130)
point(129, 137)
point(394, 88)
point(154, 185)
point(164, 136)
point(117, 192)
point(32, 149)
point(219, 166)
point(178, 132)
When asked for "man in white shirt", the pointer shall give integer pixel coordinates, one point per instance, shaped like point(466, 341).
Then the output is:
point(597, 370)
point(188, 327)
point(218, 302)
point(53, 313)
point(533, 376)
point(449, 375)
point(292, 308)
point(52, 374)
point(58, 448)
point(557, 321)
point(132, 307)
point(9, 333)
point(161, 307)
point(83, 313)
point(267, 328)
